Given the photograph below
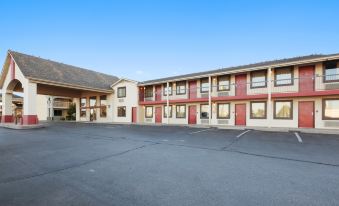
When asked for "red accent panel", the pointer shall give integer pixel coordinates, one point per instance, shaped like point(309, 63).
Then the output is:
point(306, 114)
point(7, 118)
point(158, 115)
point(192, 114)
point(241, 85)
point(30, 119)
point(134, 114)
point(158, 93)
point(306, 79)
point(192, 90)
point(240, 114)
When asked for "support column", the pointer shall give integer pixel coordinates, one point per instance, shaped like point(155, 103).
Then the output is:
point(209, 100)
point(30, 110)
point(7, 114)
point(77, 109)
point(269, 101)
point(167, 101)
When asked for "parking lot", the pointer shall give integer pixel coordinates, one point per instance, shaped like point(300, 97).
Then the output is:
point(98, 164)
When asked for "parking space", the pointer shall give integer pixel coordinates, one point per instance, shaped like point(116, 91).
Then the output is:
point(97, 164)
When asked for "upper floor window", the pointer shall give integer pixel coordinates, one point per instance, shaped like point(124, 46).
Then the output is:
point(149, 91)
point(331, 71)
point(169, 89)
point(258, 79)
point(83, 102)
point(181, 87)
point(331, 109)
point(204, 85)
point(93, 101)
point(283, 76)
point(121, 92)
point(224, 83)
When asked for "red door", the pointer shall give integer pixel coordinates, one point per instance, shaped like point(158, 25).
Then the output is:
point(158, 93)
point(192, 115)
point(240, 114)
point(192, 89)
point(241, 85)
point(306, 114)
point(134, 114)
point(306, 79)
point(158, 115)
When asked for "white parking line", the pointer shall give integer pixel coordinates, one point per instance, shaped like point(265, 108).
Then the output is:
point(200, 131)
point(298, 137)
point(239, 135)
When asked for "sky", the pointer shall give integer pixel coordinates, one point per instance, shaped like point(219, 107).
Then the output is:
point(145, 39)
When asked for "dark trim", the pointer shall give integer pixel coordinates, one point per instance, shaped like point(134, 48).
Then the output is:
point(202, 92)
point(118, 111)
point(229, 83)
point(282, 118)
point(251, 114)
point(251, 75)
point(146, 112)
point(164, 88)
point(176, 111)
point(208, 112)
point(324, 71)
point(176, 87)
point(323, 109)
point(229, 111)
point(171, 106)
point(118, 92)
point(145, 91)
point(291, 68)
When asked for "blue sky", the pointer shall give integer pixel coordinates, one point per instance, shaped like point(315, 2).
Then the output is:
point(151, 39)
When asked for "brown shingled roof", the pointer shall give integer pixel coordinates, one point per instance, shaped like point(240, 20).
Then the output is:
point(47, 70)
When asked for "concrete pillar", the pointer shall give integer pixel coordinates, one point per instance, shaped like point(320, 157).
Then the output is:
point(77, 108)
point(7, 113)
point(269, 101)
point(30, 100)
point(209, 100)
point(167, 101)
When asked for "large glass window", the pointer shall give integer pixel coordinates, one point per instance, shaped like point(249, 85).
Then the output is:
point(57, 113)
point(283, 109)
point(331, 109)
point(204, 86)
point(331, 72)
point(149, 91)
point(224, 83)
point(121, 92)
point(122, 111)
point(181, 111)
point(83, 112)
point(204, 111)
point(258, 110)
point(93, 101)
point(148, 112)
point(83, 104)
point(181, 87)
point(258, 79)
point(223, 111)
point(169, 89)
point(170, 111)
point(283, 76)
point(103, 106)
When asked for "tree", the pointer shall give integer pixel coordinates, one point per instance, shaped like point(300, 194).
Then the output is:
point(71, 112)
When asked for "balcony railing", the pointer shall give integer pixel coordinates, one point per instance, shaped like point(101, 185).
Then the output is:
point(295, 85)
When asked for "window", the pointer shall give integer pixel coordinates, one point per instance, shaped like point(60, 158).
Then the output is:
point(204, 111)
point(149, 91)
point(331, 72)
point(181, 111)
point(92, 101)
point(83, 102)
point(103, 104)
point(181, 87)
point(224, 83)
point(83, 112)
point(204, 85)
point(121, 92)
point(331, 109)
point(170, 111)
point(283, 76)
point(258, 79)
point(223, 111)
point(149, 112)
point(121, 111)
point(57, 113)
point(258, 110)
point(283, 109)
point(169, 89)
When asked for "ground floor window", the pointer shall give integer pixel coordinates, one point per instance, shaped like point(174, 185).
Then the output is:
point(331, 109)
point(83, 112)
point(283, 109)
point(170, 111)
point(258, 110)
point(180, 111)
point(57, 113)
point(204, 111)
point(223, 111)
point(103, 108)
point(149, 112)
point(121, 111)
